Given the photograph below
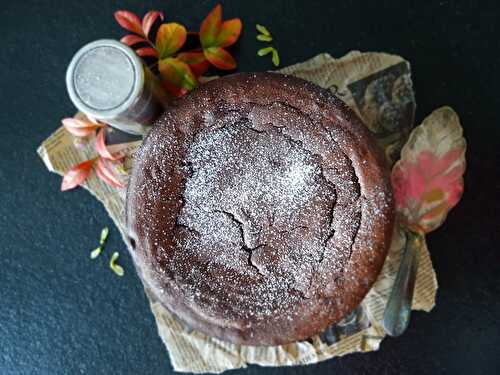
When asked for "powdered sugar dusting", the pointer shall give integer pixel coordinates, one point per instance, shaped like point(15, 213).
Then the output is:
point(257, 207)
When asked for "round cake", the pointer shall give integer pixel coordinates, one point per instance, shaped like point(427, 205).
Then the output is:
point(259, 209)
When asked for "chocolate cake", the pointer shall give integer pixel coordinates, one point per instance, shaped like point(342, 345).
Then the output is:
point(259, 209)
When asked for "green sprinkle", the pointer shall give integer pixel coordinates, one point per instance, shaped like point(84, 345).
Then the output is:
point(95, 253)
point(276, 58)
point(261, 29)
point(264, 38)
point(265, 51)
point(104, 235)
point(115, 267)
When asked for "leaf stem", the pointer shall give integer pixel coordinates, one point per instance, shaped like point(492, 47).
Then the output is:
point(153, 64)
point(197, 49)
point(150, 43)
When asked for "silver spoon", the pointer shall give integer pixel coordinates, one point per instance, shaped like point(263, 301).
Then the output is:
point(398, 310)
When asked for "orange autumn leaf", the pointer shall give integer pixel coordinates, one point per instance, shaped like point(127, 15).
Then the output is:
point(169, 39)
point(229, 33)
point(76, 175)
point(210, 27)
point(220, 58)
point(176, 74)
point(196, 61)
point(215, 35)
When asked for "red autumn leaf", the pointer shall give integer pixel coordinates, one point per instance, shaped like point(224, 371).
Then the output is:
point(210, 27)
point(104, 171)
point(220, 58)
point(100, 146)
point(196, 61)
point(79, 128)
point(229, 33)
point(177, 73)
point(149, 19)
point(132, 39)
point(170, 38)
point(147, 52)
point(76, 175)
point(129, 21)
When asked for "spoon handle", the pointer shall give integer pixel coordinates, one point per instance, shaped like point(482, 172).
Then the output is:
point(398, 310)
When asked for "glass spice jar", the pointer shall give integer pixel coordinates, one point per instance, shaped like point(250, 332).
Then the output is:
point(108, 81)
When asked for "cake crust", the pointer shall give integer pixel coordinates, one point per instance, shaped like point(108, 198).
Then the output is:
point(259, 209)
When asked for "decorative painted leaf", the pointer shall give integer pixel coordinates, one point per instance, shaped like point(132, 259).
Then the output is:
point(129, 21)
point(132, 39)
point(149, 19)
point(76, 175)
point(220, 58)
point(210, 27)
point(79, 127)
point(104, 170)
point(176, 74)
point(428, 180)
point(100, 146)
point(229, 33)
point(147, 52)
point(196, 61)
point(170, 38)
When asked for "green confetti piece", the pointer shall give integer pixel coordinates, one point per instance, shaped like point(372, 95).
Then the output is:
point(262, 29)
point(264, 38)
point(276, 58)
point(104, 235)
point(264, 51)
point(95, 253)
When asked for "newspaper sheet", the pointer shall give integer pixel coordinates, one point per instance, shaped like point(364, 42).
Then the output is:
point(378, 87)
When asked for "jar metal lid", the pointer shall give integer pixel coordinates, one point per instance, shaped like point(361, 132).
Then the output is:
point(105, 78)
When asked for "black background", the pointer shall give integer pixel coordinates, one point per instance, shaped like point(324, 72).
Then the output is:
point(61, 313)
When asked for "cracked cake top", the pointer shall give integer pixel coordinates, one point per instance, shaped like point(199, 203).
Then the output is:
point(259, 209)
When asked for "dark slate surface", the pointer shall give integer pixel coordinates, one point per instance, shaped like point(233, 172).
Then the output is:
point(60, 313)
